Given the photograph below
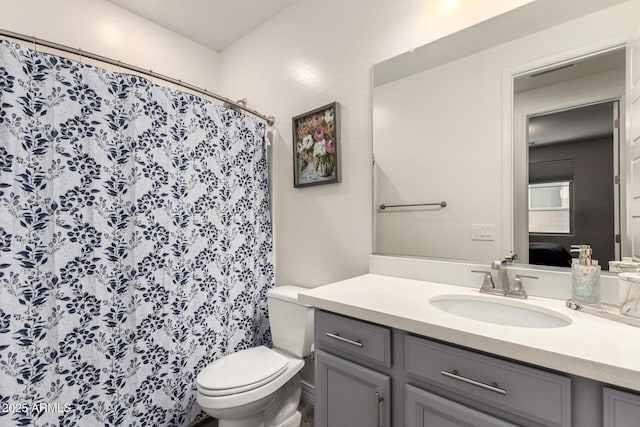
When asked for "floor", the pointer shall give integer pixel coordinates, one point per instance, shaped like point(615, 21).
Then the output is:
point(305, 408)
point(307, 415)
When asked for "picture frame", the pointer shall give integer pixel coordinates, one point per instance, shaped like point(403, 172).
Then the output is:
point(316, 159)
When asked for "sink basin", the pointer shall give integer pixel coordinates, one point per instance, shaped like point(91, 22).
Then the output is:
point(501, 311)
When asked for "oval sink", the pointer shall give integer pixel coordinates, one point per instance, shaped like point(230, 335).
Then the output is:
point(500, 311)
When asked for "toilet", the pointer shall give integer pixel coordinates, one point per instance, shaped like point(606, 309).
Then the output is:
point(260, 386)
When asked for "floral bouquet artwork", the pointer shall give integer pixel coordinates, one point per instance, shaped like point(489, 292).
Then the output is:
point(315, 146)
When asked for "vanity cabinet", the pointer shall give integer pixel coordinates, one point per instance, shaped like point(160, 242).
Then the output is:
point(353, 372)
point(372, 375)
point(351, 395)
point(352, 337)
point(621, 409)
point(530, 395)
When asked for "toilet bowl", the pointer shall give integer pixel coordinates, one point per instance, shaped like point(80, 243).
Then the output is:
point(260, 386)
point(228, 391)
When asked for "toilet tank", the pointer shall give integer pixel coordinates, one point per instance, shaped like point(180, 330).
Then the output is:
point(291, 322)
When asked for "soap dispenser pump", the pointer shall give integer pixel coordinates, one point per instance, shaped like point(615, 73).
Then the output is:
point(585, 276)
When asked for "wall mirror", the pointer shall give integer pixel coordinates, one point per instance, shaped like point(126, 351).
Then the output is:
point(508, 122)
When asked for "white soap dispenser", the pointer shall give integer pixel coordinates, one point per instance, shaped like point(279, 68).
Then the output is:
point(585, 276)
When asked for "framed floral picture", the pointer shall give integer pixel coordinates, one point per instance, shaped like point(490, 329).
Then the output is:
point(315, 147)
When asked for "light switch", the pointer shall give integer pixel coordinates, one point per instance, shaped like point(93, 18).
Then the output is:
point(482, 231)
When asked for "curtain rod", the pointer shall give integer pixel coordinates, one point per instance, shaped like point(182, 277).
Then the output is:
point(227, 102)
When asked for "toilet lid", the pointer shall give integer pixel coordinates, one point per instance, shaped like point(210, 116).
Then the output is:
point(241, 371)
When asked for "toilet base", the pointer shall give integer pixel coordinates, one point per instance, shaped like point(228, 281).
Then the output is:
point(254, 421)
point(294, 421)
point(258, 421)
point(277, 410)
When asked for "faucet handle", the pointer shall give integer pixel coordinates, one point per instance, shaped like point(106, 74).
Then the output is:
point(517, 290)
point(487, 283)
point(524, 276)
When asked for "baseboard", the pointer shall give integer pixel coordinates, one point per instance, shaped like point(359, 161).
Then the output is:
point(308, 393)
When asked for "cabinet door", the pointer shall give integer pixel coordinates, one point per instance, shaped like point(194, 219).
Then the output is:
point(424, 409)
point(350, 395)
point(621, 409)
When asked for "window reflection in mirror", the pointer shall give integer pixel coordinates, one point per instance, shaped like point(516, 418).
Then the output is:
point(550, 208)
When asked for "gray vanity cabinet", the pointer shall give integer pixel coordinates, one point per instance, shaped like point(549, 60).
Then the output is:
point(621, 409)
point(354, 338)
point(351, 395)
point(353, 373)
point(528, 395)
point(372, 375)
point(424, 409)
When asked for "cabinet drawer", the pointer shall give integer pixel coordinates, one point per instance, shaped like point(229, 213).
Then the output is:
point(534, 394)
point(361, 339)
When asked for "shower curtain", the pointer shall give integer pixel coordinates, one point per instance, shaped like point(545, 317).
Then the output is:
point(135, 243)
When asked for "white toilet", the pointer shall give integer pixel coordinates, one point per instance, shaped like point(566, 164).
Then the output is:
point(260, 387)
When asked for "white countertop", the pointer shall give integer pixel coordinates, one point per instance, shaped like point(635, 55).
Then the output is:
point(589, 347)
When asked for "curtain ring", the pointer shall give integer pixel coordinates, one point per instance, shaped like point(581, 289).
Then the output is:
point(35, 45)
point(80, 55)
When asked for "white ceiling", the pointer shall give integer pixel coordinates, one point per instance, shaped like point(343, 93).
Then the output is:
point(213, 23)
point(576, 69)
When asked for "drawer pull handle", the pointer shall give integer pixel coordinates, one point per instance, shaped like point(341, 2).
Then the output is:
point(337, 336)
point(491, 387)
point(379, 400)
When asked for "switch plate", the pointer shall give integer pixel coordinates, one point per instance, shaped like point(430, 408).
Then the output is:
point(482, 231)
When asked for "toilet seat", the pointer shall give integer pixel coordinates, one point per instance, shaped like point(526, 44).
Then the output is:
point(240, 372)
point(294, 365)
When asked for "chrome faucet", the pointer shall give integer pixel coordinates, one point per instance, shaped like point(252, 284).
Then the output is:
point(503, 281)
point(501, 285)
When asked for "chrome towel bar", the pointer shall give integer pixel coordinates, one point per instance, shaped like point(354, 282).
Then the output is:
point(442, 204)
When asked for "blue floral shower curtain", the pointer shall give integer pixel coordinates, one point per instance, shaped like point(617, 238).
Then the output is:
point(135, 243)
